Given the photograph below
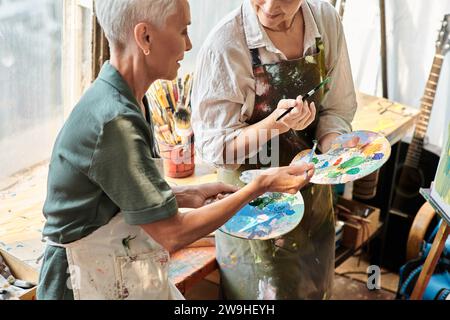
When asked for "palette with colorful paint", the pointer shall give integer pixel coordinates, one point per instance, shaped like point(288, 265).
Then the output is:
point(269, 216)
point(352, 156)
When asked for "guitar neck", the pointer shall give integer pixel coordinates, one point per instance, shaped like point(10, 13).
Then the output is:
point(415, 148)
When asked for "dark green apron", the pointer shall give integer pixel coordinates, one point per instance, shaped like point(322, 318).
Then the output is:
point(300, 264)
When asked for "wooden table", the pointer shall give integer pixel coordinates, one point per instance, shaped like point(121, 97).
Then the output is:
point(191, 265)
point(377, 114)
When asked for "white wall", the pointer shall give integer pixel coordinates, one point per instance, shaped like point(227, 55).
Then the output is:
point(411, 32)
point(205, 14)
point(412, 29)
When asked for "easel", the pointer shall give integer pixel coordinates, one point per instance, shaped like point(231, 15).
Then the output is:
point(436, 249)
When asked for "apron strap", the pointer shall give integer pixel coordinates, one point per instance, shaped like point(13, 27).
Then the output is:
point(256, 60)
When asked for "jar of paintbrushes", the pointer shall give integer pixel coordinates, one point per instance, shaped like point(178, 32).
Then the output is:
point(171, 113)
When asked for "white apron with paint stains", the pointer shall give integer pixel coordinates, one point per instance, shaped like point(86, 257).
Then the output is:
point(119, 261)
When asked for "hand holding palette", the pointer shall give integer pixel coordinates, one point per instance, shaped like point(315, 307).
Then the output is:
point(352, 156)
point(269, 216)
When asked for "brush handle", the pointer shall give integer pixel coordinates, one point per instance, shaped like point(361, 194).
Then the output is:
point(285, 113)
point(306, 96)
point(309, 94)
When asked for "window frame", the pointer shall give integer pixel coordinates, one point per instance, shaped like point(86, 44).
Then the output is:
point(78, 74)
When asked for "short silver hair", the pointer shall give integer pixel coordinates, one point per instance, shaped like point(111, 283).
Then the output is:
point(119, 17)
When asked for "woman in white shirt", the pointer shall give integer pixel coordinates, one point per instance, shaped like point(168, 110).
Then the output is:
point(253, 66)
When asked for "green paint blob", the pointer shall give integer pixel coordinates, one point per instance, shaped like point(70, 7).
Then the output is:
point(353, 162)
point(354, 171)
point(334, 174)
point(315, 160)
point(264, 201)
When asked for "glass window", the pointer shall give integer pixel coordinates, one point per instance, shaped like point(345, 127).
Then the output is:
point(31, 109)
point(45, 65)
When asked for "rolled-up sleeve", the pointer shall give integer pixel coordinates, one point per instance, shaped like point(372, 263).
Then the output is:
point(222, 99)
point(124, 168)
point(339, 105)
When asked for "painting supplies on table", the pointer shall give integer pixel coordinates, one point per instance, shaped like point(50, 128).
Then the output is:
point(170, 108)
point(8, 291)
point(170, 105)
point(306, 96)
point(5, 272)
point(10, 287)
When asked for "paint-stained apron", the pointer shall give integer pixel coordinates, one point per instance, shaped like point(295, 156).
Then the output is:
point(300, 264)
point(119, 261)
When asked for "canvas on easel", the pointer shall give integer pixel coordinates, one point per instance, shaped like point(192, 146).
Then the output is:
point(439, 198)
point(440, 190)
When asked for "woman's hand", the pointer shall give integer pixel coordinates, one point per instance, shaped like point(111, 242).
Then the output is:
point(200, 195)
point(285, 179)
point(299, 118)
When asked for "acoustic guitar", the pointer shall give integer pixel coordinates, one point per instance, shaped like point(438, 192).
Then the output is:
point(414, 173)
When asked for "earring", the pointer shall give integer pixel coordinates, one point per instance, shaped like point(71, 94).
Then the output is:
point(146, 52)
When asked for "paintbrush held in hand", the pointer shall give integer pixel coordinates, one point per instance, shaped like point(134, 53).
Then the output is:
point(306, 96)
point(171, 110)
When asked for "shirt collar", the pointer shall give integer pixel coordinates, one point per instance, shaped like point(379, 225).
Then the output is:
point(311, 29)
point(110, 75)
point(257, 37)
point(254, 32)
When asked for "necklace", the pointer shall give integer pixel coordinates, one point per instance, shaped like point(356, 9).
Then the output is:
point(284, 29)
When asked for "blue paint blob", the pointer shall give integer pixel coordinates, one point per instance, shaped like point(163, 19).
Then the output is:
point(378, 156)
point(267, 217)
point(325, 165)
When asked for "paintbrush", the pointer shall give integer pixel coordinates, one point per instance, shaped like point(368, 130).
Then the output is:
point(180, 90)
point(188, 90)
point(311, 155)
point(313, 151)
point(167, 134)
point(306, 96)
point(159, 135)
point(176, 94)
point(183, 124)
point(167, 98)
